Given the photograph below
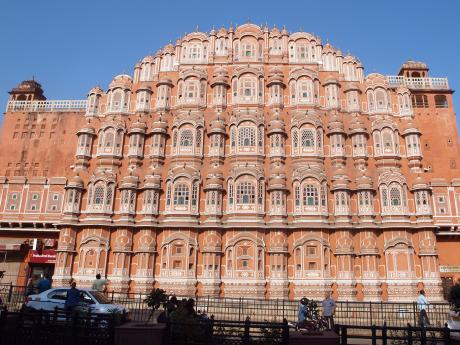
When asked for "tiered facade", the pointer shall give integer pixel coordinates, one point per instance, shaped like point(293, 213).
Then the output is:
point(245, 162)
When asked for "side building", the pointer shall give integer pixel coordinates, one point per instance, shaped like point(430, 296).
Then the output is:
point(242, 162)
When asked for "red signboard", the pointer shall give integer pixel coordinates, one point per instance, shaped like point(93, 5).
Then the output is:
point(47, 256)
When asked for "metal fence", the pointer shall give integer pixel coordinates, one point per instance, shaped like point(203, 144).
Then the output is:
point(275, 310)
point(55, 328)
point(396, 335)
point(272, 310)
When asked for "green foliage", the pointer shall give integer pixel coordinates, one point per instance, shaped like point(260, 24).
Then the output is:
point(157, 298)
point(454, 297)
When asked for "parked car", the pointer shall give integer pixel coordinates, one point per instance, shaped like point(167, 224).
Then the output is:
point(453, 322)
point(55, 298)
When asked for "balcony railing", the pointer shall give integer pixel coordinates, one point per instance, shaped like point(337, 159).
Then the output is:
point(48, 106)
point(418, 83)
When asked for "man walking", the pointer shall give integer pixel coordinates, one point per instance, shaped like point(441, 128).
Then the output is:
point(422, 306)
point(329, 310)
point(99, 284)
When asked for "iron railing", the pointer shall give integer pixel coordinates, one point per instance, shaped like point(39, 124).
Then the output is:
point(55, 328)
point(396, 335)
point(273, 310)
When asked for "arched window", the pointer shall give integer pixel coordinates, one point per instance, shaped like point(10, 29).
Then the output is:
point(310, 195)
point(381, 102)
point(308, 139)
point(395, 196)
point(98, 195)
point(186, 138)
point(245, 193)
point(246, 136)
point(181, 194)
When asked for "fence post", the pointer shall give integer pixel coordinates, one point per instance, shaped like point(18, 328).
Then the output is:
point(370, 312)
point(409, 334)
point(112, 295)
point(423, 336)
point(239, 309)
point(374, 335)
point(414, 312)
point(343, 335)
point(247, 327)
point(10, 292)
point(384, 334)
point(285, 334)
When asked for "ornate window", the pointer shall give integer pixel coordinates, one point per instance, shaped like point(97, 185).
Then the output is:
point(84, 144)
point(422, 202)
point(143, 101)
point(178, 257)
point(332, 97)
point(136, 145)
point(187, 140)
point(185, 196)
point(167, 63)
point(277, 203)
point(119, 100)
point(341, 204)
point(247, 138)
point(72, 204)
point(311, 258)
point(359, 145)
point(93, 104)
point(276, 94)
point(128, 201)
point(385, 142)
point(365, 205)
point(249, 195)
point(378, 100)
point(310, 197)
point(353, 100)
point(221, 46)
point(405, 106)
point(163, 93)
point(307, 141)
point(110, 142)
point(337, 145)
point(100, 197)
point(393, 198)
point(413, 145)
point(151, 198)
point(245, 259)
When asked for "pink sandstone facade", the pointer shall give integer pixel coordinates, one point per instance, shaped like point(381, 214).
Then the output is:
point(247, 162)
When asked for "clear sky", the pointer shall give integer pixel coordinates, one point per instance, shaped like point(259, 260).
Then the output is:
point(71, 46)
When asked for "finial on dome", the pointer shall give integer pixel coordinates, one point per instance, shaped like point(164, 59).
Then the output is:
point(196, 29)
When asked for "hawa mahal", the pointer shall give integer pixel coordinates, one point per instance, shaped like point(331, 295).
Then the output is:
point(243, 162)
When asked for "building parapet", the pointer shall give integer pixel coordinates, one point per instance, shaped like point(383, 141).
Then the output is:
point(47, 106)
point(418, 83)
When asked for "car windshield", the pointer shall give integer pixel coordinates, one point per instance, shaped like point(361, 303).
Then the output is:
point(100, 298)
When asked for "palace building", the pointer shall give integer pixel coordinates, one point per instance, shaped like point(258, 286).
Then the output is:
point(243, 162)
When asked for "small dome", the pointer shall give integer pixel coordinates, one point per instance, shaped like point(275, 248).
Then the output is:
point(159, 125)
point(129, 181)
point(153, 180)
point(363, 181)
point(96, 91)
point(76, 182)
point(148, 59)
point(335, 124)
point(420, 183)
point(330, 80)
point(217, 125)
point(356, 125)
point(165, 81)
point(122, 80)
point(138, 126)
point(168, 49)
point(328, 48)
point(276, 125)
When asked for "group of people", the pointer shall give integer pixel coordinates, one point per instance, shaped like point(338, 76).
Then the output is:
point(181, 311)
point(329, 306)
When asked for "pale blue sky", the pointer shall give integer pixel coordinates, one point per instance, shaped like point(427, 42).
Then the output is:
point(70, 46)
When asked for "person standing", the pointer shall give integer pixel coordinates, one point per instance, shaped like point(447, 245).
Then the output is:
point(73, 297)
point(99, 284)
point(301, 315)
point(422, 306)
point(329, 310)
point(44, 284)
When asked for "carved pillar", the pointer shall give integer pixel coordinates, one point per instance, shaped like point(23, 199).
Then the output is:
point(65, 257)
point(121, 256)
point(277, 254)
point(369, 257)
point(346, 284)
point(211, 264)
point(144, 256)
point(430, 266)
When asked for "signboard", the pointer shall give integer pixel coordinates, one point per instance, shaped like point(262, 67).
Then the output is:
point(449, 269)
point(47, 256)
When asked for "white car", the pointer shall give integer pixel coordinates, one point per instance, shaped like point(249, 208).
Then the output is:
point(453, 322)
point(55, 298)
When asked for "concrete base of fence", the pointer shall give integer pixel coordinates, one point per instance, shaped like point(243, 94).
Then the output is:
point(327, 338)
point(136, 333)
